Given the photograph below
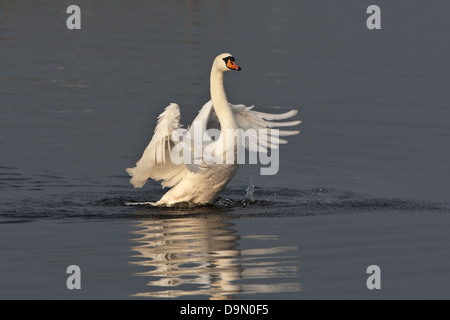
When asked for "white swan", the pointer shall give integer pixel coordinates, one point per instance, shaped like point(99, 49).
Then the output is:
point(200, 182)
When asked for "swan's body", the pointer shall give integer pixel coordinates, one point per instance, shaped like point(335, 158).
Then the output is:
point(201, 181)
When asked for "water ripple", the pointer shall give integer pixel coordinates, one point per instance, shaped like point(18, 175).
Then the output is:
point(82, 203)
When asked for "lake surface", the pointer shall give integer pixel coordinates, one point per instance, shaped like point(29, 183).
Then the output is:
point(366, 182)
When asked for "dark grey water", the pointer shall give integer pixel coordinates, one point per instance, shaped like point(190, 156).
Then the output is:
point(366, 182)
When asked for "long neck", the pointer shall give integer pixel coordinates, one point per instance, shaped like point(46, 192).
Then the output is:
point(220, 102)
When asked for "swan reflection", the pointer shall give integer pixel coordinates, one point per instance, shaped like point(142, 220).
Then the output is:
point(192, 256)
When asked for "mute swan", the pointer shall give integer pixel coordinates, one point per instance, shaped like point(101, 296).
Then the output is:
point(201, 181)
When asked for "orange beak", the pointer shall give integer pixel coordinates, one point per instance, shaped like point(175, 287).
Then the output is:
point(232, 65)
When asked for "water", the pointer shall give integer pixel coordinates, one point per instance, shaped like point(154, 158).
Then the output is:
point(366, 181)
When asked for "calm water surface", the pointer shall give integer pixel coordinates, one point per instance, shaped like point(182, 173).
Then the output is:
point(366, 181)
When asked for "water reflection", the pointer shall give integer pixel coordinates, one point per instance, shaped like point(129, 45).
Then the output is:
point(204, 256)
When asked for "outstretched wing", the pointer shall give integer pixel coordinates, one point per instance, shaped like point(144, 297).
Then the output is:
point(261, 129)
point(156, 162)
point(258, 127)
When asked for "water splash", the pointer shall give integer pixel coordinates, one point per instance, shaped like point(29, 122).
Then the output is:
point(249, 193)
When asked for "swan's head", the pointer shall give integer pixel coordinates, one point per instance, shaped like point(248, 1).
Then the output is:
point(225, 62)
